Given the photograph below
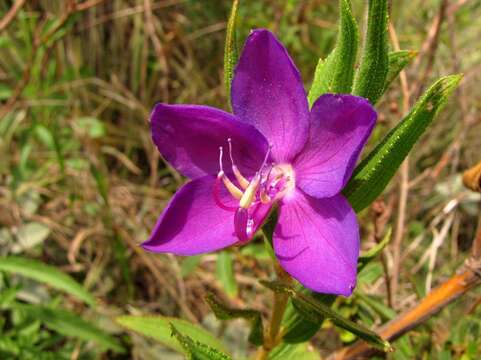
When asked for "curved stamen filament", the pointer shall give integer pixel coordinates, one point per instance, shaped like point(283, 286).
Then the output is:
point(243, 182)
point(233, 190)
point(217, 198)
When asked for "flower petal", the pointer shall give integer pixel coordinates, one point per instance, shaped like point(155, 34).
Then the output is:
point(317, 242)
point(339, 128)
point(193, 223)
point(189, 137)
point(267, 92)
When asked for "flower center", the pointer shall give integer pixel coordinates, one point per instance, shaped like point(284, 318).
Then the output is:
point(257, 195)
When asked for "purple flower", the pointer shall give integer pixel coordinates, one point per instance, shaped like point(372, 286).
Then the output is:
point(271, 151)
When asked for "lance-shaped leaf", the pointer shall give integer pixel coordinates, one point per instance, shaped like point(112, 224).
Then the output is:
point(369, 255)
point(374, 172)
point(158, 329)
point(397, 62)
point(372, 73)
point(46, 274)
point(231, 53)
point(314, 310)
point(224, 312)
point(195, 349)
point(336, 73)
point(298, 329)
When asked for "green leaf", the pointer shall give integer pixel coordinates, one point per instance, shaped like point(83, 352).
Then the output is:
point(377, 305)
point(336, 73)
point(195, 349)
point(70, 324)
point(372, 73)
point(312, 309)
point(47, 274)
point(373, 173)
point(158, 329)
point(294, 352)
point(231, 53)
point(372, 253)
point(296, 327)
point(224, 312)
point(225, 273)
point(397, 62)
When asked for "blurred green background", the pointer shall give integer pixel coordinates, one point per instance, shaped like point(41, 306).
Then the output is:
point(81, 183)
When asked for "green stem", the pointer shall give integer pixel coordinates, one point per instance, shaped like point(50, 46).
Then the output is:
point(272, 338)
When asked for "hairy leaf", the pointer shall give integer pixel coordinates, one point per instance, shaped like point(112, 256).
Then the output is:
point(231, 53)
point(224, 312)
point(315, 310)
point(158, 329)
point(373, 70)
point(397, 62)
point(373, 174)
point(336, 73)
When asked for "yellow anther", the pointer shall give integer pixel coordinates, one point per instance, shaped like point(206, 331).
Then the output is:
point(250, 193)
point(243, 182)
point(265, 199)
point(233, 190)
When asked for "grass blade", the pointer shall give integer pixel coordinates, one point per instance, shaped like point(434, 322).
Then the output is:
point(47, 274)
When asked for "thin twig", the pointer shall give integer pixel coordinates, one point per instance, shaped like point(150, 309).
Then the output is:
point(435, 301)
point(10, 15)
point(403, 184)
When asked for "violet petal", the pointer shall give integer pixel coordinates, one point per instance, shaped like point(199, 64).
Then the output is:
point(339, 128)
point(317, 242)
point(192, 223)
point(189, 137)
point(267, 92)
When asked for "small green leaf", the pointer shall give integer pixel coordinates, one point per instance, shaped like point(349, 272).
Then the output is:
point(158, 329)
point(377, 305)
point(372, 175)
point(336, 73)
point(49, 275)
point(372, 73)
point(369, 255)
point(195, 349)
point(224, 312)
point(70, 324)
point(231, 53)
point(294, 352)
point(296, 327)
point(397, 62)
point(312, 309)
point(225, 273)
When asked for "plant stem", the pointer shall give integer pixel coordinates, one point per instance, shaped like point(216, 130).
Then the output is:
point(279, 307)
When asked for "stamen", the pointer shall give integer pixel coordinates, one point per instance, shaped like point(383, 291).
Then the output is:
point(265, 199)
point(243, 182)
point(249, 194)
point(216, 194)
point(233, 190)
